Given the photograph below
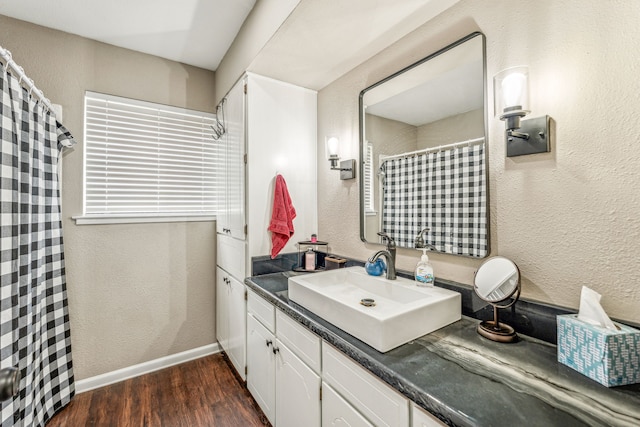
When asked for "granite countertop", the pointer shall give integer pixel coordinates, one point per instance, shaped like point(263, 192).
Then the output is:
point(467, 380)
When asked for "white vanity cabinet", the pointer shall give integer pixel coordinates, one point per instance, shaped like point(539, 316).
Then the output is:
point(261, 367)
point(422, 418)
point(270, 128)
point(283, 361)
point(231, 318)
point(230, 227)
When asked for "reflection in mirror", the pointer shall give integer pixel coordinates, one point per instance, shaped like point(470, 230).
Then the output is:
point(422, 136)
point(497, 280)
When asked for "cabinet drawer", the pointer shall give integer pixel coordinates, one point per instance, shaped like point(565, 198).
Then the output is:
point(230, 256)
point(302, 342)
point(262, 310)
point(378, 402)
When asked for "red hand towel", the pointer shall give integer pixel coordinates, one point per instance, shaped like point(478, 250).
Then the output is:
point(282, 215)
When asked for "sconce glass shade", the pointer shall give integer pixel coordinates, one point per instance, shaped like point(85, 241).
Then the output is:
point(511, 91)
point(332, 147)
point(347, 168)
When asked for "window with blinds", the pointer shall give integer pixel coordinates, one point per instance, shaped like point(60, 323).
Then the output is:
point(369, 176)
point(149, 159)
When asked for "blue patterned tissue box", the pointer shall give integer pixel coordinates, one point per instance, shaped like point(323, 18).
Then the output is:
point(609, 357)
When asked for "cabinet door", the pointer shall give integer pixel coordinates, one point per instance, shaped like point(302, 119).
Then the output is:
point(220, 186)
point(237, 325)
point(235, 176)
point(222, 308)
point(297, 391)
point(261, 367)
point(336, 412)
point(421, 418)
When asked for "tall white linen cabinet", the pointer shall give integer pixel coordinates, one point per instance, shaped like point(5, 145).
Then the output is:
point(271, 129)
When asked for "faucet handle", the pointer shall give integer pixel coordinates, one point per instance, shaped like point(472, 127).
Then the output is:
point(391, 244)
point(419, 241)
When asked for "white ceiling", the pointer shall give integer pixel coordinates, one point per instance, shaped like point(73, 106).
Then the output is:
point(195, 32)
point(319, 42)
point(324, 39)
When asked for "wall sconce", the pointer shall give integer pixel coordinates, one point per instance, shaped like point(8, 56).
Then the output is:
point(511, 103)
point(347, 168)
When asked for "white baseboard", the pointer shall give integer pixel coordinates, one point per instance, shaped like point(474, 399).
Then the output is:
point(144, 368)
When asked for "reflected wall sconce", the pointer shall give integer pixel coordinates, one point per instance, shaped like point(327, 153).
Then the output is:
point(347, 168)
point(511, 104)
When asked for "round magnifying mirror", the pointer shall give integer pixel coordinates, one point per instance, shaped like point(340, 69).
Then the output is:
point(497, 280)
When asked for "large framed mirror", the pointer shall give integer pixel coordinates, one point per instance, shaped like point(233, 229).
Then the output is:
point(423, 161)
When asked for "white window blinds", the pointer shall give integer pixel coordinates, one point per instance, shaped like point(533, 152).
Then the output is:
point(149, 159)
point(369, 176)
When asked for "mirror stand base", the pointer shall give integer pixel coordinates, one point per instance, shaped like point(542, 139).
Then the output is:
point(501, 333)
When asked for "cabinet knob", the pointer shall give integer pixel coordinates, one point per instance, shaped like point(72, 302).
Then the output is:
point(275, 350)
point(269, 342)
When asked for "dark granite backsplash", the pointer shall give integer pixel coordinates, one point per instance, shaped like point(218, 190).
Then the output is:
point(530, 318)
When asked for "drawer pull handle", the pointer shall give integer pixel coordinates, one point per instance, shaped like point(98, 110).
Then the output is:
point(275, 350)
point(269, 342)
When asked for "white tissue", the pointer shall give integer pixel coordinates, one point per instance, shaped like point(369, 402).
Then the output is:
point(591, 311)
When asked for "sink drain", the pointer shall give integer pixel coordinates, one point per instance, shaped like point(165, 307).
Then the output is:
point(368, 302)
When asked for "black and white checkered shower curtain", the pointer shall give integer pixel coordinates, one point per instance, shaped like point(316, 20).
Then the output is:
point(444, 191)
point(34, 320)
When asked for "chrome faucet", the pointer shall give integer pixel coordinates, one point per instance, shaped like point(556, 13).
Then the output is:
point(389, 254)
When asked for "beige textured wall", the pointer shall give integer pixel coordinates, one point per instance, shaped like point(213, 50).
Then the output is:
point(469, 125)
point(568, 218)
point(136, 292)
point(263, 21)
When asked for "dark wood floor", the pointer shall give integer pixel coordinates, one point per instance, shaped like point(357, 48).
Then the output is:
point(203, 392)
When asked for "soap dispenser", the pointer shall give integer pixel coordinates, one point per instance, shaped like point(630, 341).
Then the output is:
point(424, 271)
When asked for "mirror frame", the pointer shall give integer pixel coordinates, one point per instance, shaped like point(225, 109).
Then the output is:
point(361, 115)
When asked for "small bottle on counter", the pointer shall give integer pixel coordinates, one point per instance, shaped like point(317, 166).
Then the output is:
point(310, 260)
point(424, 271)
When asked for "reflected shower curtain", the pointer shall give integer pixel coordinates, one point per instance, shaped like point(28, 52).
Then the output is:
point(444, 191)
point(34, 320)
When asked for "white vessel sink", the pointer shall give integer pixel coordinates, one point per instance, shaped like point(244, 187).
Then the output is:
point(402, 310)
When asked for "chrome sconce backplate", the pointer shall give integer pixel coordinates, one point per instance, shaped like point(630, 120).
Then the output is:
point(532, 137)
point(347, 169)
